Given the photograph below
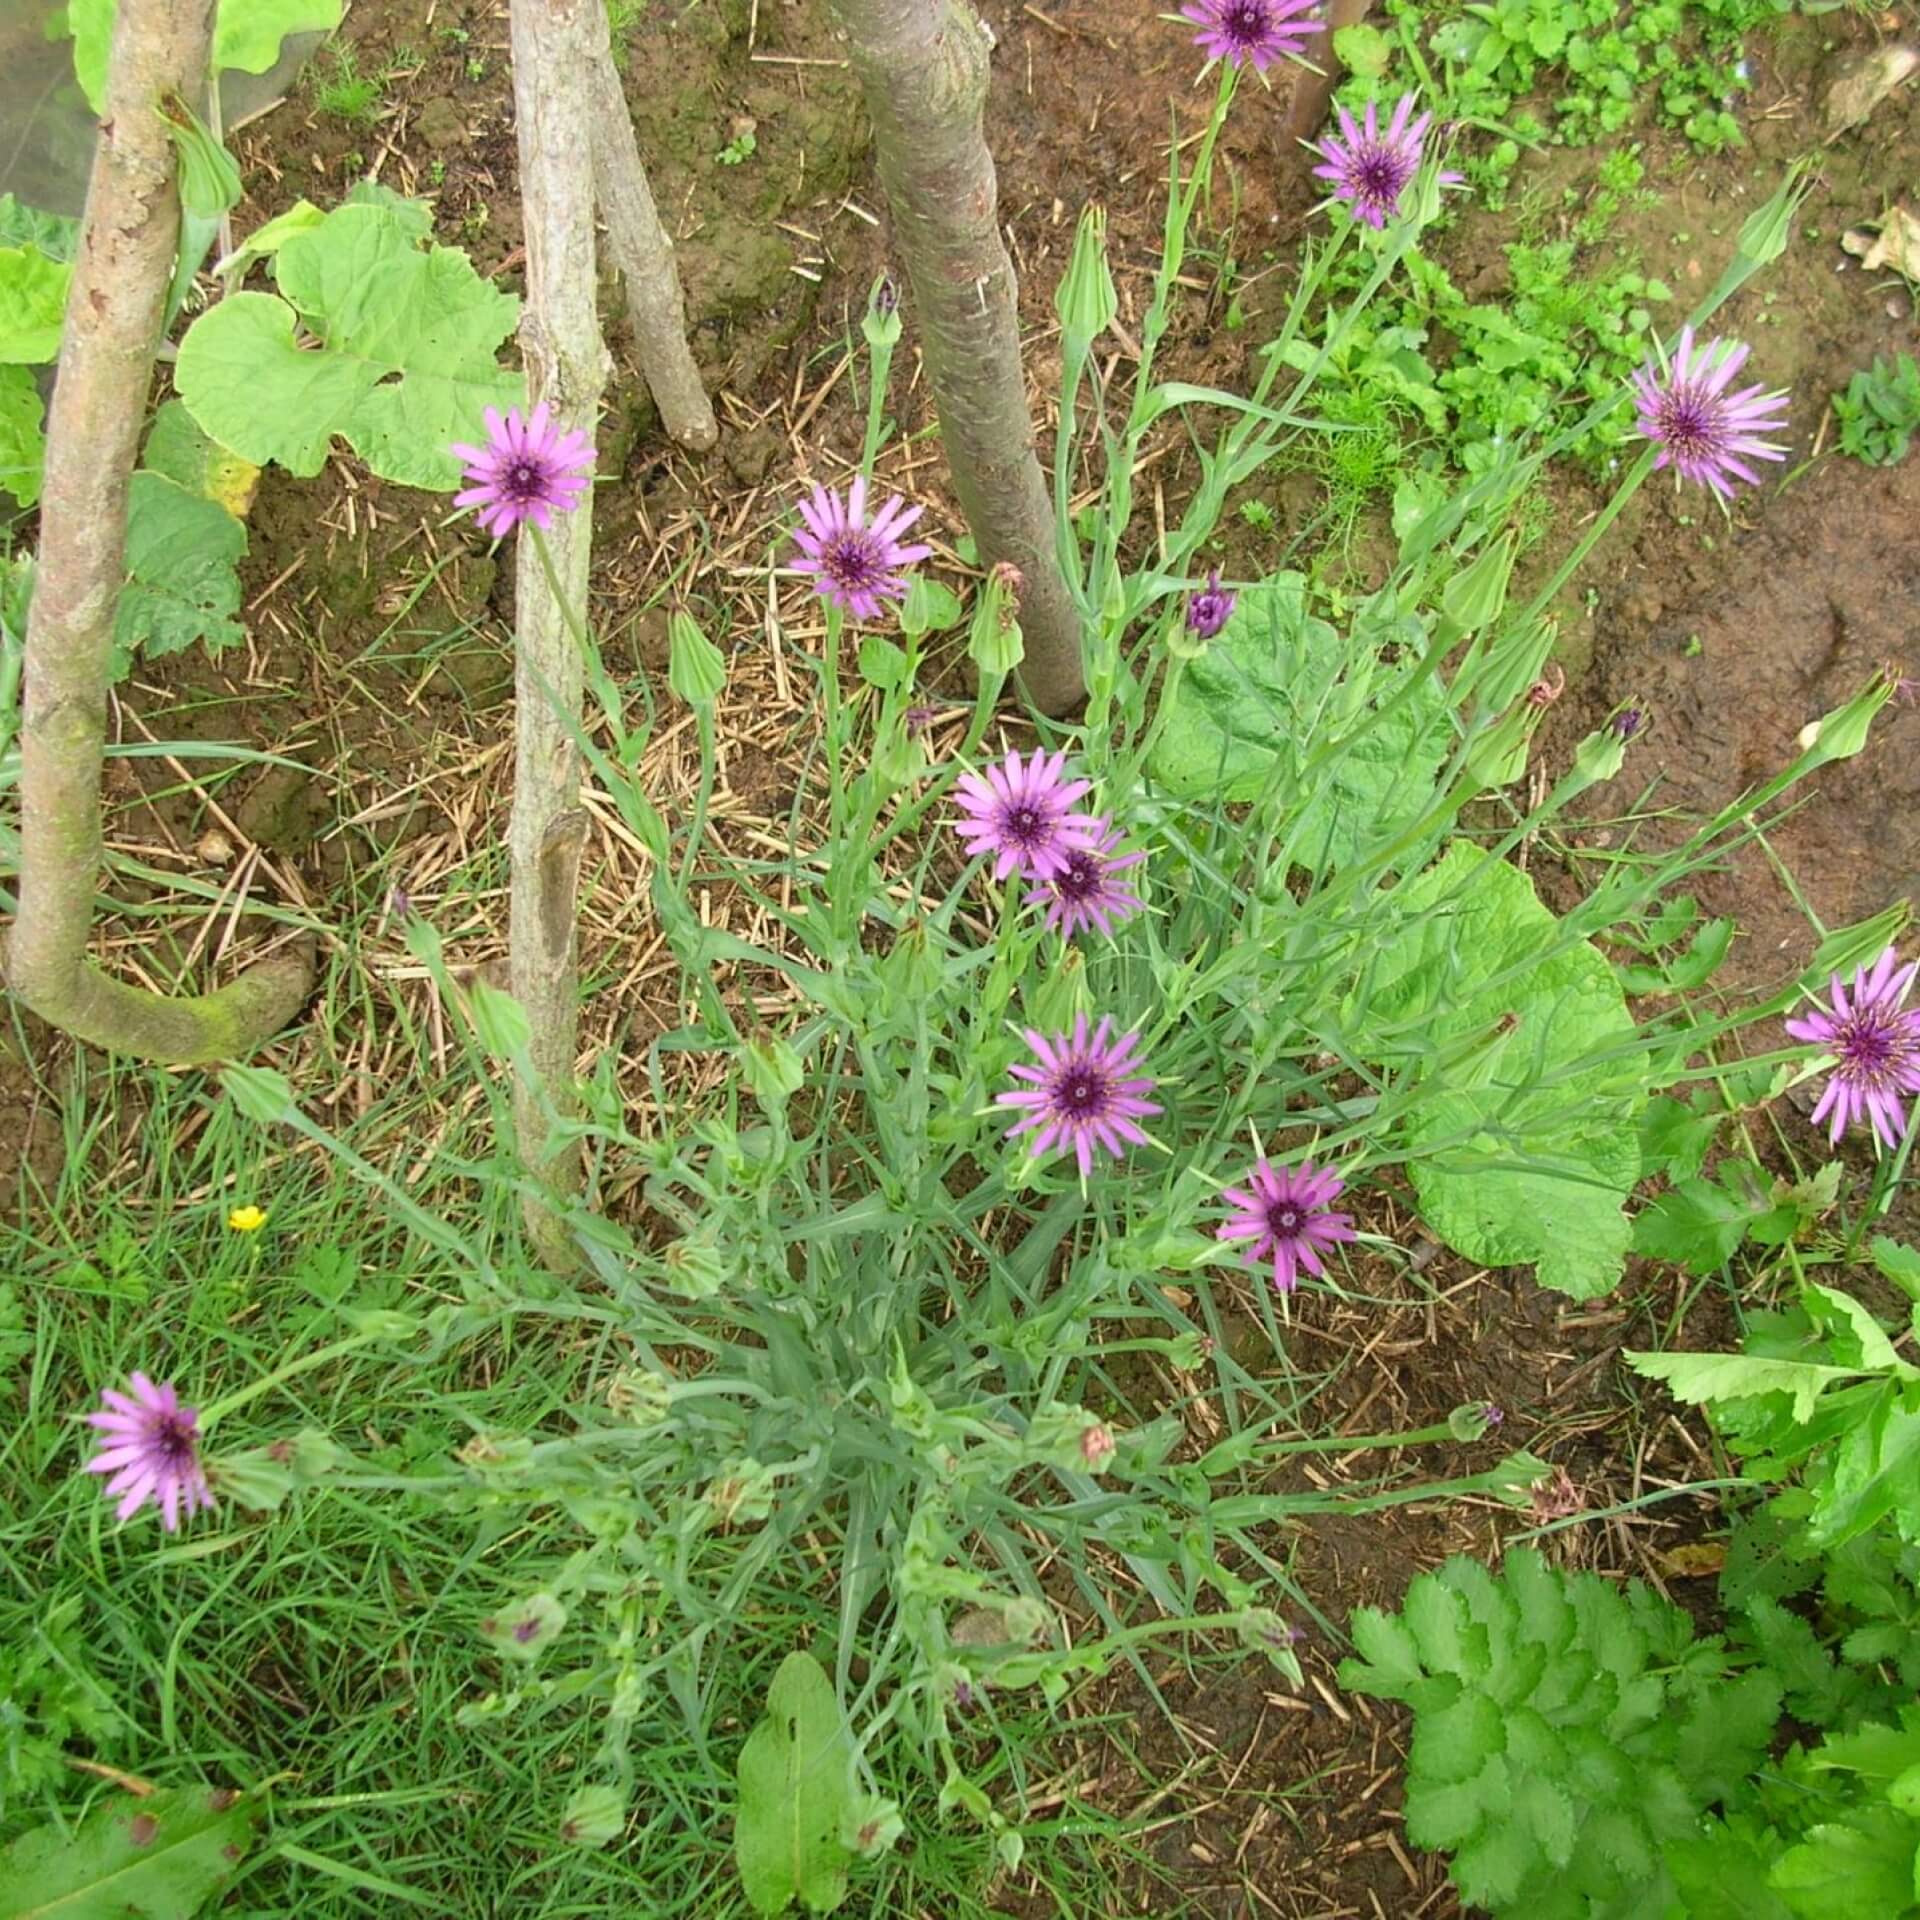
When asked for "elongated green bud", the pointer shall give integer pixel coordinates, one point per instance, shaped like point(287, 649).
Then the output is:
point(1085, 299)
point(696, 669)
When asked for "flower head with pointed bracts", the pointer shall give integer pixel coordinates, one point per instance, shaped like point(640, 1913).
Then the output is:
point(1284, 1213)
point(1875, 1043)
point(151, 1447)
point(1086, 1092)
point(1021, 814)
point(856, 563)
point(1705, 433)
point(1253, 32)
point(528, 470)
point(1087, 891)
point(1369, 166)
point(1211, 608)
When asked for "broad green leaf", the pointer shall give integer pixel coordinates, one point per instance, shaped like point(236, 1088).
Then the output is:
point(1456, 1741)
point(1704, 1378)
point(23, 447)
point(1722, 1873)
point(1899, 1264)
point(796, 1795)
point(178, 450)
point(1697, 1224)
point(33, 303)
point(1267, 691)
point(1857, 1869)
point(1531, 1148)
point(1876, 1350)
point(269, 237)
point(246, 34)
point(1873, 1472)
point(51, 233)
point(1389, 1661)
point(1448, 1813)
point(181, 584)
point(499, 1021)
point(1674, 1137)
point(404, 366)
point(159, 1858)
point(263, 1095)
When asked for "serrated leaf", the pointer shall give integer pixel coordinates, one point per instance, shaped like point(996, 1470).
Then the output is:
point(33, 305)
point(1492, 1867)
point(23, 446)
point(1446, 1814)
point(1675, 1138)
point(182, 551)
point(1540, 1595)
point(1549, 1814)
point(796, 1795)
point(161, 1858)
point(1458, 1740)
point(1875, 1350)
point(1703, 1379)
point(1697, 1224)
point(1721, 1872)
point(405, 363)
point(1899, 1264)
point(1873, 1471)
point(1391, 1660)
point(1857, 1869)
point(1726, 1734)
point(1448, 1639)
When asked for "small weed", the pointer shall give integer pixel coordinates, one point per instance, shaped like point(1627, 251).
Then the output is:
point(346, 93)
point(1879, 413)
point(738, 150)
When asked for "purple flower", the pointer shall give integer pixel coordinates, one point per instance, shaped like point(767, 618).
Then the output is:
point(1086, 892)
point(1260, 31)
point(152, 1449)
point(1210, 609)
point(1628, 721)
point(1283, 1211)
point(1701, 429)
point(1023, 815)
point(528, 470)
point(856, 563)
point(1875, 1043)
point(1085, 1093)
point(1369, 165)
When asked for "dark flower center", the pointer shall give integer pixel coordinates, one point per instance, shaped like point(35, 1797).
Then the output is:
point(1870, 1048)
point(1285, 1220)
point(173, 1439)
point(523, 481)
point(1690, 421)
point(853, 562)
point(1379, 173)
point(526, 1630)
point(1080, 880)
point(1080, 1093)
point(1026, 824)
point(1245, 22)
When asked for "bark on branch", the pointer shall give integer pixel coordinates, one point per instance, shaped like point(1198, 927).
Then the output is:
point(644, 255)
point(1313, 91)
point(115, 308)
point(566, 364)
point(923, 68)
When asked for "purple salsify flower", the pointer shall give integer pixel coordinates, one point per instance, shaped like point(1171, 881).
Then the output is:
point(1283, 1212)
point(1211, 608)
point(1085, 1092)
point(1022, 815)
point(1253, 32)
point(1875, 1043)
point(1705, 433)
point(856, 562)
point(1628, 721)
point(1369, 165)
point(1086, 892)
point(151, 1447)
point(528, 470)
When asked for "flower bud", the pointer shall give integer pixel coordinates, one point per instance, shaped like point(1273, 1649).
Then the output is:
point(594, 1816)
point(525, 1628)
point(696, 669)
point(996, 645)
point(1085, 299)
point(1473, 598)
point(1599, 757)
point(1841, 734)
point(772, 1069)
point(881, 326)
point(695, 1268)
point(1474, 1421)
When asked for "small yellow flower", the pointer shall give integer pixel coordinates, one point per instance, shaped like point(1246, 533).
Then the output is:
point(246, 1219)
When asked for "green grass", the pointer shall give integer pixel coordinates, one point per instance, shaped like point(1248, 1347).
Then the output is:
point(330, 1652)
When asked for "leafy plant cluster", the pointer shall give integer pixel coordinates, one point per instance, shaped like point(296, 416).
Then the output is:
point(1879, 412)
point(1598, 61)
point(1581, 1752)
